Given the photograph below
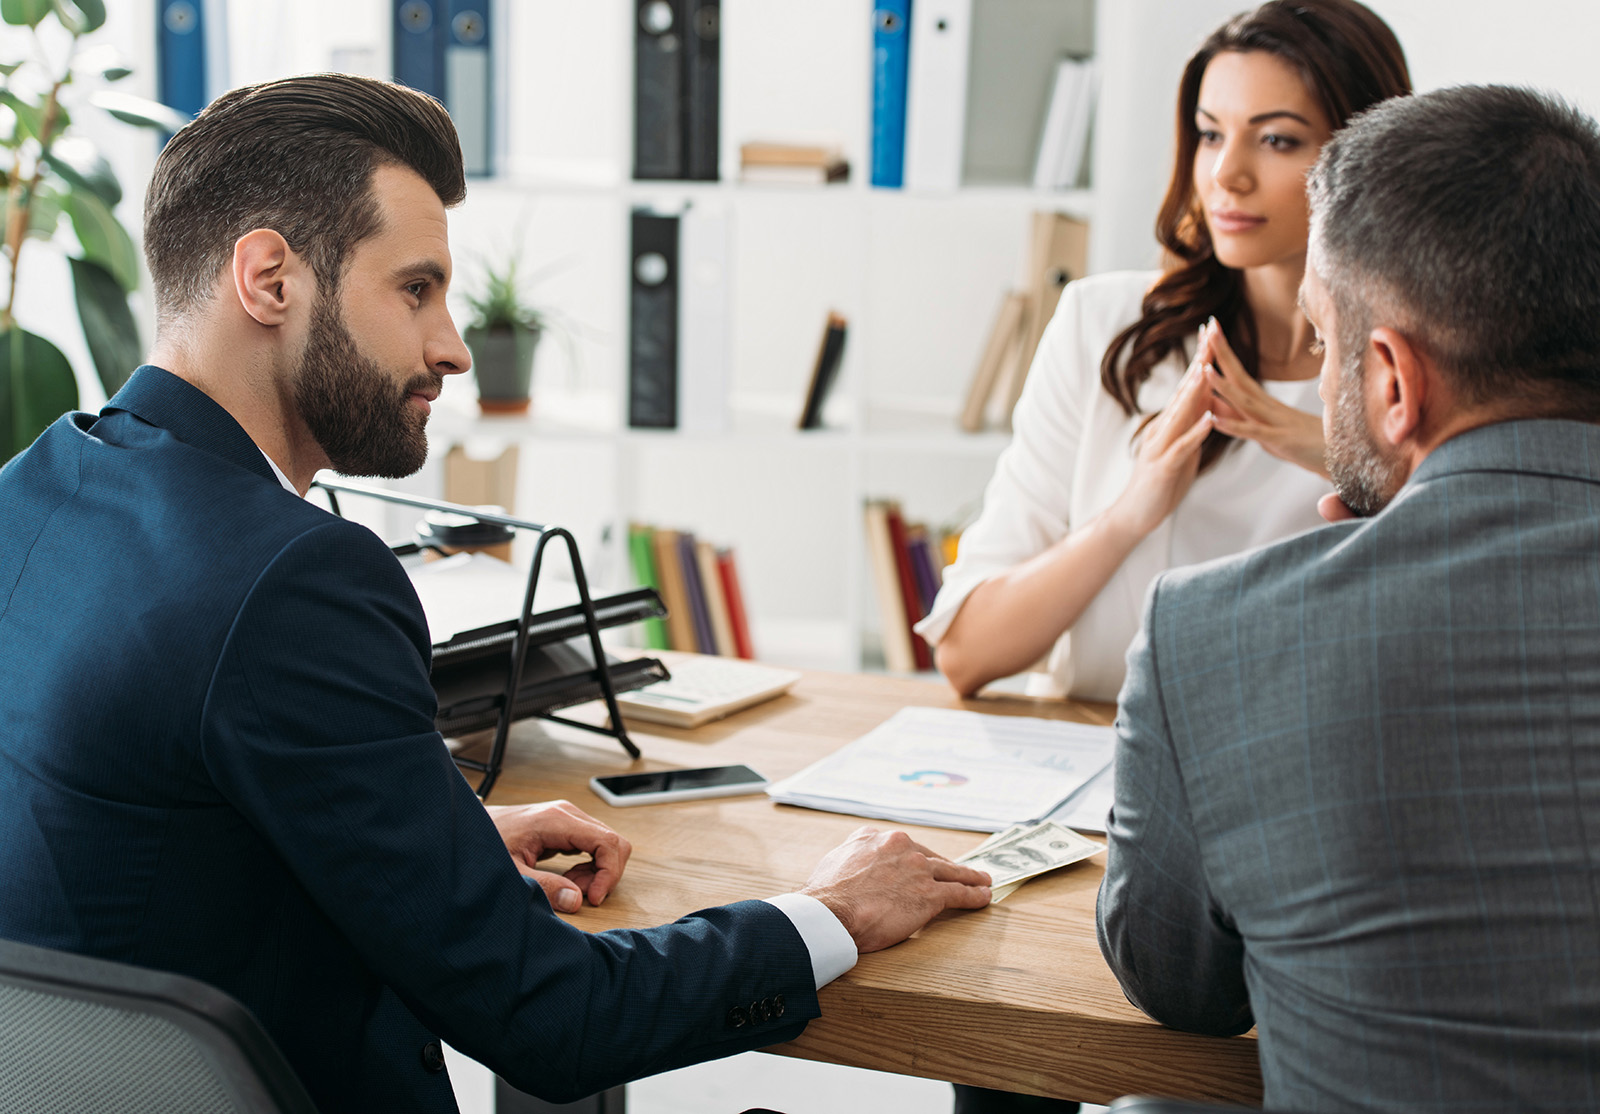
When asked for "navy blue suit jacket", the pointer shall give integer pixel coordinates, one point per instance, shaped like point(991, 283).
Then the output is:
point(217, 757)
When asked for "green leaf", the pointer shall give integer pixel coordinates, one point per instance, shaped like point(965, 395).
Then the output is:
point(30, 117)
point(107, 323)
point(9, 68)
point(104, 240)
point(44, 213)
point(115, 73)
point(36, 387)
point(142, 111)
point(24, 13)
point(80, 16)
point(83, 167)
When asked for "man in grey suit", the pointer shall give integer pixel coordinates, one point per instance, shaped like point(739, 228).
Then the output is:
point(1358, 772)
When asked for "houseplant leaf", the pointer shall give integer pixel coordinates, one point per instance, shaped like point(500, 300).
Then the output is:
point(142, 111)
point(24, 13)
point(107, 323)
point(36, 387)
point(80, 16)
point(104, 240)
point(83, 167)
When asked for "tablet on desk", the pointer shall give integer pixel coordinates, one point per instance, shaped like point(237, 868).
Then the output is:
point(702, 689)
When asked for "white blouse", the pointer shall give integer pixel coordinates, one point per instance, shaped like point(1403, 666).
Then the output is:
point(1069, 459)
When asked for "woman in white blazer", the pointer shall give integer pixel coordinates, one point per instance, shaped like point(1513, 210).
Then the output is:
point(1171, 417)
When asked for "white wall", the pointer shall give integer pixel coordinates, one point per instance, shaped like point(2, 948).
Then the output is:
point(1144, 43)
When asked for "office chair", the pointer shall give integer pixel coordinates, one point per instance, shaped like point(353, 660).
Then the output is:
point(81, 1035)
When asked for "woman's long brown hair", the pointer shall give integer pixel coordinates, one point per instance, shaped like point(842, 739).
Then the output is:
point(1350, 60)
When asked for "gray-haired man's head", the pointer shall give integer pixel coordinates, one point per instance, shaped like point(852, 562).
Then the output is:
point(1468, 219)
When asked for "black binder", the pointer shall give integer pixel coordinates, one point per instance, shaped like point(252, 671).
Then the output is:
point(535, 664)
point(703, 76)
point(658, 86)
point(653, 323)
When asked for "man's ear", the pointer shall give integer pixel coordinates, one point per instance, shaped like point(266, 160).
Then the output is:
point(1396, 385)
point(269, 279)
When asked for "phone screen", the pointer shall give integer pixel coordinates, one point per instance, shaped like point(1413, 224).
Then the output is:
point(665, 781)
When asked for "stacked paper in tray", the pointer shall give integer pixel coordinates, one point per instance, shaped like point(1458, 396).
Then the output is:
point(954, 769)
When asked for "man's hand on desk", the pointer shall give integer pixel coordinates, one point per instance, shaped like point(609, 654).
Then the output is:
point(534, 832)
point(883, 886)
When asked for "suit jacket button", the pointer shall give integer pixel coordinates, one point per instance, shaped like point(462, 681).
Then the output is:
point(433, 1057)
point(758, 1011)
point(777, 1005)
point(738, 1018)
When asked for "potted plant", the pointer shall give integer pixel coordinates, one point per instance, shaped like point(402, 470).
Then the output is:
point(50, 172)
point(503, 336)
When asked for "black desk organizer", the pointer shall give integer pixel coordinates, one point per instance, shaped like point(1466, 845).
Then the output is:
point(536, 664)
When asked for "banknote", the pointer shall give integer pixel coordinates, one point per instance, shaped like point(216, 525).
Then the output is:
point(1025, 850)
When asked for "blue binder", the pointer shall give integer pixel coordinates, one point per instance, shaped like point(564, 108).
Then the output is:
point(419, 45)
point(469, 82)
point(891, 66)
point(181, 55)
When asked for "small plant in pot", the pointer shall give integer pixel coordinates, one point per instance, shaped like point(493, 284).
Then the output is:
point(503, 336)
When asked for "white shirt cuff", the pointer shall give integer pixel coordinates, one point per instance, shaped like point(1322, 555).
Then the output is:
point(832, 950)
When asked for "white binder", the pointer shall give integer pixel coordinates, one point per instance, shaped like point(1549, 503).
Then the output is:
point(936, 93)
point(703, 285)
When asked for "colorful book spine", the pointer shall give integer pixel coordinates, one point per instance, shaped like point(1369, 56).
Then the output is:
point(896, 632)
point(705, 640)
point(716, 599)
point(737, 617)
point(640, 550)
point(891, 66)
point(922, 566)
point(908, 587)
point(680, 623)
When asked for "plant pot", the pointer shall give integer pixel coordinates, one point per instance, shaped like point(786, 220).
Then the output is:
point(502, 362)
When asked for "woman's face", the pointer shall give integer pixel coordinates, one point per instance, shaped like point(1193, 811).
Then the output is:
point(1260, 130)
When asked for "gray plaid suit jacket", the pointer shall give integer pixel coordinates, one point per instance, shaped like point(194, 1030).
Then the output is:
point(1358, 792)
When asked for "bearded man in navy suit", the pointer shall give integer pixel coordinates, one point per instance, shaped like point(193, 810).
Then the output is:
point(217, 752)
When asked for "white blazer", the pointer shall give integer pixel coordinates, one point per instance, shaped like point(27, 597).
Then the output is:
point(1071, 456)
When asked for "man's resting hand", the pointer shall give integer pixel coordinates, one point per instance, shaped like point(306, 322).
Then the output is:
point(534, 832)
point(883, 886)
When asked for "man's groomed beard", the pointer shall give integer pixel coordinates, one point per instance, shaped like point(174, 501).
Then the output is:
point(1365, 476)
point(364, 423)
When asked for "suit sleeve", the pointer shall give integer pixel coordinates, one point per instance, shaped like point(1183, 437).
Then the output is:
point(319, 729)
point(1171, 946)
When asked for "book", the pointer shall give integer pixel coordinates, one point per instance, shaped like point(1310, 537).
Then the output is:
point(787, 164)
point(896, 631)
point(674, 592)
point(891, 67)
point(734, 597)
point(641, 553)
point(922, 566)
point(824, 371)
point(936, 93)
point(920, 654)
point(999, 352)
point(705, 641)
point(716, 599)
point(1064, 140)
point(1058, 254)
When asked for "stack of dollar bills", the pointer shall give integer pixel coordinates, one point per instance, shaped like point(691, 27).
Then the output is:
point(1026, 851)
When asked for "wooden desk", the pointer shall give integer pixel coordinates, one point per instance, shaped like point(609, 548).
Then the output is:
point(1015, 996)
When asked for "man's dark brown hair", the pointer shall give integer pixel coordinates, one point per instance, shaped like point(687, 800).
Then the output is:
point(296, 156)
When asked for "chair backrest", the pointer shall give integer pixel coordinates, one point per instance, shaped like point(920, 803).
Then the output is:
point(79, 1035)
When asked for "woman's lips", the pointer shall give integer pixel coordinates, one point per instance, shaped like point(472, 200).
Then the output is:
point(1233, 221)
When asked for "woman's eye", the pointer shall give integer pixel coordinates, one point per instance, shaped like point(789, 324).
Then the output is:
point(1209, 136)
point(1281, 142)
